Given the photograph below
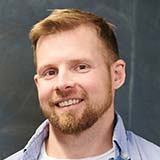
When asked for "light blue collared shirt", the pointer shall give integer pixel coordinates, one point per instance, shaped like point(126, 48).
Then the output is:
point(128, 146)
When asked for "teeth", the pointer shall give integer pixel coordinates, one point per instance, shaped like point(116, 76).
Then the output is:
point(69, 102)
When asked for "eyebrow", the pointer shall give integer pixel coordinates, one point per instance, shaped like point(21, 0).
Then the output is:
point(43, 67)
point(83, 60)
point(70, 61)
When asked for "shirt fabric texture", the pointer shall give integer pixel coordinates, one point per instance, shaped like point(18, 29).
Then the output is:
point(127, 145)
point(105, 156)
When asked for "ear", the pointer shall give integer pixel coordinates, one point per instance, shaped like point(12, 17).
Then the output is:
point(118, 73)
point(36, 80)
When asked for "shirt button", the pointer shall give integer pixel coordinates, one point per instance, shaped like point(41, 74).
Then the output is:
point(124, 156)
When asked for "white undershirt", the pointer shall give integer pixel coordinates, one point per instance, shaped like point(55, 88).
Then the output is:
point(105, 156)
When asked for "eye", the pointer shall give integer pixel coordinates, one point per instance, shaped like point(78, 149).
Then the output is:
point(82, 68)
point(49, 73)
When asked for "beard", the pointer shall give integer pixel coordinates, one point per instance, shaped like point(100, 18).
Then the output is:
point(69, 123)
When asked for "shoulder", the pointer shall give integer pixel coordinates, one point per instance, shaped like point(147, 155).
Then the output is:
point(16, 156)
point(142, 146)
point(34, 144)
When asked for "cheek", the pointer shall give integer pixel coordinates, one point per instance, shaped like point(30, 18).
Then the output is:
point(94, 85)
point(44, 92)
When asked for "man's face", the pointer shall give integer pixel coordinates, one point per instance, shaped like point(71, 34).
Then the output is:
point(74, 83)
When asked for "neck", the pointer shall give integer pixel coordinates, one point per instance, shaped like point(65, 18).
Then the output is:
point(91, 142)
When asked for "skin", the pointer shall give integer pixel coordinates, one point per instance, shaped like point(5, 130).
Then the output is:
point(70, 65)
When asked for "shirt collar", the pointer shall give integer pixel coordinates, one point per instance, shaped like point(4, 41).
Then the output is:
point(33, 147)
point(120, 138)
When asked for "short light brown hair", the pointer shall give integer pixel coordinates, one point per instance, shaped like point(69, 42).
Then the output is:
point(67, 19)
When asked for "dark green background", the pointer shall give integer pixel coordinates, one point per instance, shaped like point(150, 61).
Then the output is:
point(138, 32)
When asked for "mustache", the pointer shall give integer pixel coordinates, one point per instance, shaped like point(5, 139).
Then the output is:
point(64, 93)
point(61, 95)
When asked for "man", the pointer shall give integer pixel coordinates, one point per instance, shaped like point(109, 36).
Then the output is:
point(78, 71)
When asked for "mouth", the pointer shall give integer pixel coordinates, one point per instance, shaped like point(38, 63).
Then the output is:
point(67, 103)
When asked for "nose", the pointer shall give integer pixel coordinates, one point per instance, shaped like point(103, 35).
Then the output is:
point(64, 80)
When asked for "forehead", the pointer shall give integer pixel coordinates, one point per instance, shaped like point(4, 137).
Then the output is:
point(82, 32)
point(80, 42)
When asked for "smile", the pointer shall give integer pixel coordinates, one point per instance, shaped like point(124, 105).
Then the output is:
point(69, 102)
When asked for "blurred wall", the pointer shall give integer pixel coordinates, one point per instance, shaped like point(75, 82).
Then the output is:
point(138, 29)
